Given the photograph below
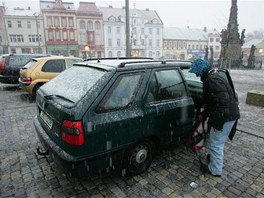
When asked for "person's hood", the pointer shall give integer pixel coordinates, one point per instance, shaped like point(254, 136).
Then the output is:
point(199, 66)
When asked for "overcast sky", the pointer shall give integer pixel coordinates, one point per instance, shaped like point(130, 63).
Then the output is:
point(183, 13)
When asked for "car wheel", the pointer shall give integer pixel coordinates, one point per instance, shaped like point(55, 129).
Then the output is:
point(139, 157)
point(35, 89)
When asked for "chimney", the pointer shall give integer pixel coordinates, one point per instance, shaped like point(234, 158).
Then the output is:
point(110, 6)
point(205, 29)
point(147, 9)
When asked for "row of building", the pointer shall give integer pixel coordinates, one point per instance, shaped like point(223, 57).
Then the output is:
point(90, 31)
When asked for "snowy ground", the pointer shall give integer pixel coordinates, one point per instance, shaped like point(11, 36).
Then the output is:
point(252, 117)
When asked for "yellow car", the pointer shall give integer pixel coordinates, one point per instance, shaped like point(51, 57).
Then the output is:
point(40, 70)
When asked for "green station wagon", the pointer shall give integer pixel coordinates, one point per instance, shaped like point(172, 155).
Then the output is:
point(114, 113)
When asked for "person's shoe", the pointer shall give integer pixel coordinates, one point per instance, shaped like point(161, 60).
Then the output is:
point(205, 169)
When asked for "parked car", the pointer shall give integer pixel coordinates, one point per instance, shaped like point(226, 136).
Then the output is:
point(11, 64)
point(40, 70)
point(114, 113)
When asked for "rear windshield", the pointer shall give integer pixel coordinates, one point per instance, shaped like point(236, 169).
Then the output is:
point(20, 59)
point(73, 83)
point(29, 64)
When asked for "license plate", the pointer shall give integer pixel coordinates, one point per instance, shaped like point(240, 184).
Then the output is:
point(46, 119)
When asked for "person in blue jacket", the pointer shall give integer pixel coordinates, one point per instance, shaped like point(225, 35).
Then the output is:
point(221, 107)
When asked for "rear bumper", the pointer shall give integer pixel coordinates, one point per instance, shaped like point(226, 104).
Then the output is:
point(9, 79)
point(77, 166)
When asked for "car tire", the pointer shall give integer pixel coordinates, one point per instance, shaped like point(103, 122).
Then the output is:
point(139, 158)
point(35, 89)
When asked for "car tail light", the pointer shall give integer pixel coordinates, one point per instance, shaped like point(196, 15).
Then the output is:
point(72, 133)
point(3, 65)
point(27, 79)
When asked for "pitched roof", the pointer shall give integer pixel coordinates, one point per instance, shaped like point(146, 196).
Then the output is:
point(88, 9)
point(251, 42)
point(150, 15)
point(184, 34)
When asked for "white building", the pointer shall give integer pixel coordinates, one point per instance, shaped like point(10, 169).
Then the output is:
point(24, 28)
point(184, 43)
point(146, 32)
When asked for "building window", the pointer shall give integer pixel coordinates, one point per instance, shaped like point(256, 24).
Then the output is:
point(118, 30)
point(49, 21)
point(150, 53)
point(50, 35)
point(109, 42)
point(13, 50)
point(170, 44)
point(9, 24)
point(56, 22)
point(72, 35)
point(217, 47)
point(65, 35)
point(90, 25)
point(109, 30)
point(82, 25)
point(19, 24)
point(217, 40)
point(158, 43)
point(197, 47)
point(118, 42)
point(34, 38)
point(158, 31)
point(189, 46)
point(110, 54)
point(71, 23)
point(150, 42)
point(26, 50)
point(142, 42)
point(97, 39)
point(97, 25)
point(57, 35)
point(150, 30)
point(16, 38)
point(211, 40)
point(193, 46)
point(28, 24)
point(142, 31)
point(63, 21)
point(118, 54)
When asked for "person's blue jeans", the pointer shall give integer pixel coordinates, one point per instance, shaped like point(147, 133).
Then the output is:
point(217, 143)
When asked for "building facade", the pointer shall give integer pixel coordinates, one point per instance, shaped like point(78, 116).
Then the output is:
point(90, 30)
point(24, 30)
point(60, 27)
point(214, 40)
point(3, 35)
point(184, 43)
point(146, 31)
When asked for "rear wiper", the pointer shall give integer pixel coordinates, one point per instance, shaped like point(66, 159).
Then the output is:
point(49, 97)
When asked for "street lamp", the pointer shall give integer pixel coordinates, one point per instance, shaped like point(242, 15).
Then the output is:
point(36, 18)
point(87, 50)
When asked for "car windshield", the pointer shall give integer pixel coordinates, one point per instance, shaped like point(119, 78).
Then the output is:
point(73, 83)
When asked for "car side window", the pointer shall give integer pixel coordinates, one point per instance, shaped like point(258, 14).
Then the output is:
point(166, 85)
point(70, 62)
point(54, 66)
point(121, 94)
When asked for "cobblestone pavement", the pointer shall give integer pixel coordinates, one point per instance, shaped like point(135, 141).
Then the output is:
point(26, 174)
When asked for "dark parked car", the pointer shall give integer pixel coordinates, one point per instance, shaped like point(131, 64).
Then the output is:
point(10, 65)
point(109, 113)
